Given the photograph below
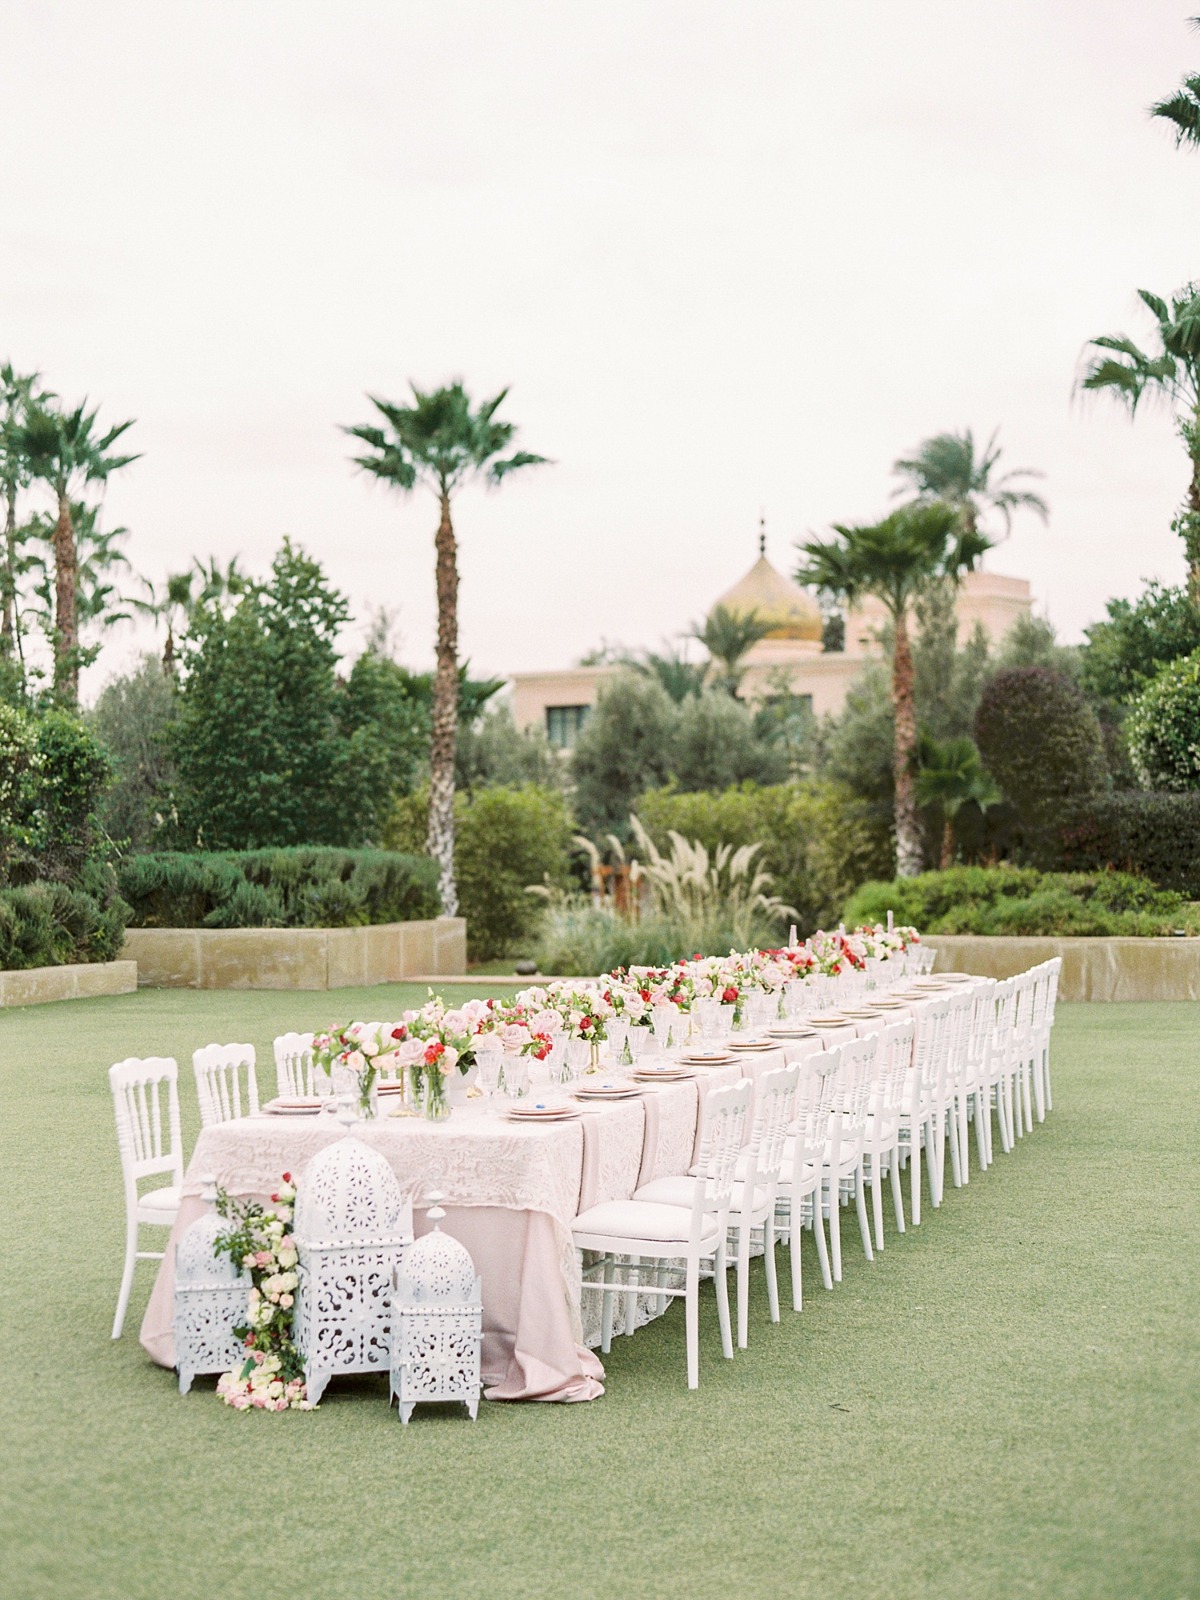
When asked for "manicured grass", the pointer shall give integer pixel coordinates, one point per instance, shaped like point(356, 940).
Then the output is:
point(1006, 1403)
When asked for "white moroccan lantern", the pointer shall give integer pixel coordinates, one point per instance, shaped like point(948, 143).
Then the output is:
point(210, 1299)
point(437, 1322)
point(351, 1224)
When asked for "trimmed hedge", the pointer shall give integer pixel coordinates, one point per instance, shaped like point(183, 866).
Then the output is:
point(1015, 900)
point(51, 925)
point(296, 888)
point(1152, 833)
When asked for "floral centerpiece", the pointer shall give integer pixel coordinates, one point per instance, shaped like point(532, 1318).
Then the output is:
point(432, 1043)
point(359, 1051)
point(258, 1239)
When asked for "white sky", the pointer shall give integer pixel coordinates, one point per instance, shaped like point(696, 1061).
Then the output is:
point(727, 257)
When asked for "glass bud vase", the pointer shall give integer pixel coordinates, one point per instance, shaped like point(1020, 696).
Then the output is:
point(435, 1104)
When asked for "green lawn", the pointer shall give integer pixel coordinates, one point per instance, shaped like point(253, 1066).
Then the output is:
point(1005, 1404)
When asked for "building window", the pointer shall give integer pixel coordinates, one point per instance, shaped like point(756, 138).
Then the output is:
point(563, 724)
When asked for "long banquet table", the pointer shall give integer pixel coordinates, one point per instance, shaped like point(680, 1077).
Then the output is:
point(511, 1193)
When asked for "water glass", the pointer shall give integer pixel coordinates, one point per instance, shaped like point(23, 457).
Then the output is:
point(489, 1057)
point(708, 1011)
point(664, 1016)
point(578, 1054)
point(517, 1083)
point(618, 1033)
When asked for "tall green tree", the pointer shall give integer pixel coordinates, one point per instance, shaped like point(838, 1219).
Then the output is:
point(1170, 373)
point(897, 560)
point(1182, 109)
point(66, 451)
point(443, 442)
point(173, 601)
point(260, 755)
point(727, 636)
point(948, 467)
point(18, 392)
point(951, 775)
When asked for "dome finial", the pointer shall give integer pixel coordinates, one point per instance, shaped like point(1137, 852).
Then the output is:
point(762, 533)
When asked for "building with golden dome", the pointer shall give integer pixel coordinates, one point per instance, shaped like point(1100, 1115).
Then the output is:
point(790, 656)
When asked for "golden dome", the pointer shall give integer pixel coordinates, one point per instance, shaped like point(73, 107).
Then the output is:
point(789, 610)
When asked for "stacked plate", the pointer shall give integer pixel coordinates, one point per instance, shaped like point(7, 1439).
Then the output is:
point(707, 1058)
point(787, 1030)
point(556, 1111)
point(295, 1105)
point(751, 1044)
point(608, 1091)
point(663, 1074)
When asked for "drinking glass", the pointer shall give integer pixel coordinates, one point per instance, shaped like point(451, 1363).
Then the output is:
point(663, 1018)
point(516, 1076)
point(578, 1054)
point(489, 1056)
point(618, 1033)
point(708, 1011)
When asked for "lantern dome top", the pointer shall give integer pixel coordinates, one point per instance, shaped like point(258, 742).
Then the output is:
point(349, 1196)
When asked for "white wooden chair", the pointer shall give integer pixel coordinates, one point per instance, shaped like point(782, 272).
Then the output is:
point(1000, 1067)
point(294, 1073)
point(1042, 1064)
point(881, 1145)
point(843, 1163)
point(976, 1087)
point(917, 1102)
point(756, 1185)
point(680, 1237)
point(802, 1175)
point(1021, 1059)
point(218, 1069)
point(139, 1089)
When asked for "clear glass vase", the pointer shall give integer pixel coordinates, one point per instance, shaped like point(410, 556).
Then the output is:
point(435, 1103)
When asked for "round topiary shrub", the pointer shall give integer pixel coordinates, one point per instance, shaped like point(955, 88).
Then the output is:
point(1043, 744)
point(1163, 728)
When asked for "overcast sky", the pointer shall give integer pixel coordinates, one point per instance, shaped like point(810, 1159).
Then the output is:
point(728, 257)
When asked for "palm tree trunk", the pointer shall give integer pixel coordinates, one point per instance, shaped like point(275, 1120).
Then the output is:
point(910, 855)
point(66, 626)
point(8, 621)
point(1191, 537)
point(440, 843)
point(947, 843)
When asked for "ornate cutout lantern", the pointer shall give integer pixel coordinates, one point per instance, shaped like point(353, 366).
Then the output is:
point(437, 1322)
point(351, 1225)
point(210, 1299)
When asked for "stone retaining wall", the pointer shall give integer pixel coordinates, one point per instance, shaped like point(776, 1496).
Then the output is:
point(296, 958)
point(1093, 969)
point(37, 985)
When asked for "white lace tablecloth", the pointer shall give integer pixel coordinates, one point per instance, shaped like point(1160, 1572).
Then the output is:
point(511, 1192)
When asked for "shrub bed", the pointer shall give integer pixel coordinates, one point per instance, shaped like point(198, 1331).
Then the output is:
point(52, 925)
point(296, 888)
point(1152, 833)
point(1012, 900)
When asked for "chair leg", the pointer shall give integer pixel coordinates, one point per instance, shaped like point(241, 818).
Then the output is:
point(606, 1314)
point(631, 1297)
point(1046, 1075)
point(937, 1162)
point(819, 1234)
point(1039, 1090)
point(1028, 1109)
point(981, 1132)
point(131, 1242)
point(896, 1191)
point(769, 1262)
point(721, 1266)
point(692, 1320)
point(964, 1147)
point(914, 1176)
point(877, 1199)
point(835, 1226)
point(860, 1202)
point(743, 1282)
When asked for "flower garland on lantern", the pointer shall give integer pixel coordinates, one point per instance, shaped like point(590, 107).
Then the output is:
point(258, 1239)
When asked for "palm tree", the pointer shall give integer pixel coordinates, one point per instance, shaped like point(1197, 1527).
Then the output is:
point(1130, 374)
point(176, 599)
point(64, 451)
point(678, 676)
point(951, 774)
point(727, 635)
point(895, 560)
point(440, 441)
point(947, 468)
point(99, 561)
point(17, 393)
point(1183, 107)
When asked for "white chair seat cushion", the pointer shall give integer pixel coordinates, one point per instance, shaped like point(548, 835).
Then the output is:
point(679, 1191)
point(165, 1199)
point(639, 1219)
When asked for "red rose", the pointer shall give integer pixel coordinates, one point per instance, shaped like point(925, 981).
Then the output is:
point(398, 1033)
point(434, 1051)
point(729, 996)
point(585, 1024)
point(287, 1177)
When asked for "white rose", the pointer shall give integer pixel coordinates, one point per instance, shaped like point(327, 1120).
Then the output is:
point(546, 1022)
point(455, 1022)
point(449, 1060)
point(356, 1061)
point(288, 1258)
